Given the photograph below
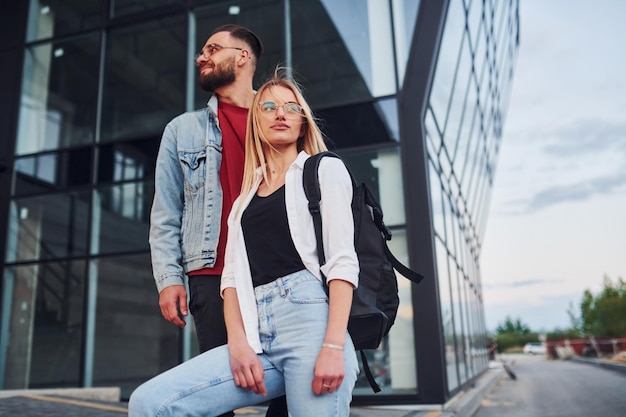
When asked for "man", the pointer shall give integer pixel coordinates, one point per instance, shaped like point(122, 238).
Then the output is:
point(198, 175)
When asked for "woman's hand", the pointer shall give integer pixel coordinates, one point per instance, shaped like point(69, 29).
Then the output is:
point(329, 371)
point(247, 368)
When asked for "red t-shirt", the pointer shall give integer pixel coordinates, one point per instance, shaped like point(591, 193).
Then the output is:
point(233, 125)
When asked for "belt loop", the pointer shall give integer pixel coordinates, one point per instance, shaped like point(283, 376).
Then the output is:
point(281, 286)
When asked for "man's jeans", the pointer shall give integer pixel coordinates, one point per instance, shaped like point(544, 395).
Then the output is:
point(293, 313)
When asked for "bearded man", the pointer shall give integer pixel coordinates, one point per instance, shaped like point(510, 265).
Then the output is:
point(198, 175)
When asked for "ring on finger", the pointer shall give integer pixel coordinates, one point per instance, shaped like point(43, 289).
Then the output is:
point(326, 386)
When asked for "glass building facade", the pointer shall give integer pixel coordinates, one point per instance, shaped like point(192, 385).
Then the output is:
point(413, 94)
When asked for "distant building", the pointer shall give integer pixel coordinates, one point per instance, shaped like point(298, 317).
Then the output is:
point(412, 93)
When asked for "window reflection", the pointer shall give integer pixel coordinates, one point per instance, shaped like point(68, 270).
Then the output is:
point(48, 227)
point(46, 321)
point(53, 171)
point(126, 7)
point(127, 161)
point(360, 124)
point(59, 95)
point(133, 341)
point(121, 218)
point(145, 83)
point(57, 17)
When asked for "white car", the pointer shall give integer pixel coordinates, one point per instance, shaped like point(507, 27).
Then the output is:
point(535, 348)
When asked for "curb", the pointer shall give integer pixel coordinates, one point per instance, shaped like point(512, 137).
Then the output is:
point(468, 402)
point(613, 366)
point(110, 394)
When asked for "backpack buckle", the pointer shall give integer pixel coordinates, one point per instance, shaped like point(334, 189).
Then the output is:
point(314, 206)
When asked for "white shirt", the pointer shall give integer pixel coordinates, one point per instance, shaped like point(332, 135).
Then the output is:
point(337, 235)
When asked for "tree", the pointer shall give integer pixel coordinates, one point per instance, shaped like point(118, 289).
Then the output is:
point(604, 315)
point(512, 327)
point(513, 335)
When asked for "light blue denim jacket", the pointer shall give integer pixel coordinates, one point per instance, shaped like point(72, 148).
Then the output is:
point(187, 206)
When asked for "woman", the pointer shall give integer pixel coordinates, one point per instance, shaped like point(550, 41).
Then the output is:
point(285, 334)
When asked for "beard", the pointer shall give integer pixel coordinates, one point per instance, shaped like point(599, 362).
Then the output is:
point(222, 75)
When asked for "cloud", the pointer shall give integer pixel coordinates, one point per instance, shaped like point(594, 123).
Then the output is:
point(586, 137)
point(519, 284)
point(576, 192)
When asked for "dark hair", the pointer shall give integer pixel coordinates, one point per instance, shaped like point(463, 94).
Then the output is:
point(244, 34)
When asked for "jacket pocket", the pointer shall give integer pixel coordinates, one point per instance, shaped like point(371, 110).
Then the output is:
point(193, 165)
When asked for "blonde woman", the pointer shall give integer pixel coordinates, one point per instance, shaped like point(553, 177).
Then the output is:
point(286, 334)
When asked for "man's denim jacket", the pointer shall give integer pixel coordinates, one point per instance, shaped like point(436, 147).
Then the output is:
point(187, 206)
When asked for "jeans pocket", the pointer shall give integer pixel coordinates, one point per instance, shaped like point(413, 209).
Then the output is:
point(309, 291)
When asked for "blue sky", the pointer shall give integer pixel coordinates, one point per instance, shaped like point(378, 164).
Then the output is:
point(557, 220)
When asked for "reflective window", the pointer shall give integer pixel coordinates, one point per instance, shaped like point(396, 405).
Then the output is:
point(56, 171)
point(133, 341)
point(144, 84)
point(121, 218)
point(48, 227)
point(127, 161)
point(45, 301)
point(48, 18)
point(353, 40)
point(360, 124)
point(447, 61)
point(126, 7)
point(59, 95)
point(404, 19)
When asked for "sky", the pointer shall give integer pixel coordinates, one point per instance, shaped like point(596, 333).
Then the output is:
point(557, 216)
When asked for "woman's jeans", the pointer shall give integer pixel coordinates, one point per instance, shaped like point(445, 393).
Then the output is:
point(293, 313)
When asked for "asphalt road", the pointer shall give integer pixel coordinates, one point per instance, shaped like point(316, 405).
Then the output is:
point(555, 388)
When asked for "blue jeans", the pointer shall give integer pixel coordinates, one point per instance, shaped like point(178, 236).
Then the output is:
point(293, 313)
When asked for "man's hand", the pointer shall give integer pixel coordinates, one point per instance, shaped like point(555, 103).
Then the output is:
point(173, 303)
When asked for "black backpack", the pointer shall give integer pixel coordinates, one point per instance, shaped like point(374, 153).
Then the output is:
point(375, 301)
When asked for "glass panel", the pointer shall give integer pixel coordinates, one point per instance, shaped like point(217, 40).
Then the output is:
point(458, 101)
point(127, 161)
point(404, 19)
point(457, 303)
point(264, 18)
point(53, 172)
point(45, 325)
point(447, 60)
point(121, 218)
point(401, 339)
point(59, 95)
point(48, 227)
point(126, 7)
point(48, 18)
point(354, 41)
point(145, 78)
point(133, 341)
point(369, 124)
point(447, 318)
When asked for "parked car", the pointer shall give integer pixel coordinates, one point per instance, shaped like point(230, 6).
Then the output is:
point(535, 348)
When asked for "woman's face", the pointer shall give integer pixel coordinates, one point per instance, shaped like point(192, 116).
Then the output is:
point(280, 117)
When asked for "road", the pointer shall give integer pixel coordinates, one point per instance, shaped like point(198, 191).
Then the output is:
point(555, 388)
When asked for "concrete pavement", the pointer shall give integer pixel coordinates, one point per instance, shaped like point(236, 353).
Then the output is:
point(101, 402)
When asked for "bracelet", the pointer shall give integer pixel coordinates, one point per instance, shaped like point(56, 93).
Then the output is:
point(331, 346)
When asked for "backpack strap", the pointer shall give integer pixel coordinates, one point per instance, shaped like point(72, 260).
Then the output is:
point(313, 194)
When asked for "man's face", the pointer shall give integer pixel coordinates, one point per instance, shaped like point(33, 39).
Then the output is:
point(217, 61)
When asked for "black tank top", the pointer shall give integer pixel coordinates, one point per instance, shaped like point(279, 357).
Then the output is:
point(271, 252)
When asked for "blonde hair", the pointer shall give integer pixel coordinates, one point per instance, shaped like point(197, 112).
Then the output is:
point(312, 141)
